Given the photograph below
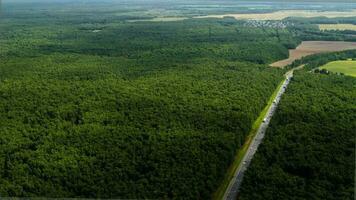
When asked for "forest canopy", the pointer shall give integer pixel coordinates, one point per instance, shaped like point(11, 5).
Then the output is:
point(309, 149)
point(98, 104)
point(100, 108)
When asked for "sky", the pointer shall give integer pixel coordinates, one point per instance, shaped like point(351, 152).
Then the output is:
point(48, 1)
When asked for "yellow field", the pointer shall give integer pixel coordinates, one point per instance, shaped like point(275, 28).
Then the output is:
point(162, 15)
point(160, 19)
point(279, 15)
point(341, 27)
point(347, 67)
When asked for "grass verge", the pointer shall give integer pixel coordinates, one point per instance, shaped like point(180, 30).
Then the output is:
point(219, 193)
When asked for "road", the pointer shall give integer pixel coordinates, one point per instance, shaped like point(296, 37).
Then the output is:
point(232, 190)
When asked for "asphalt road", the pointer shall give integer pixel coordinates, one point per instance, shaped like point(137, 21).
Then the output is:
point(232, 191)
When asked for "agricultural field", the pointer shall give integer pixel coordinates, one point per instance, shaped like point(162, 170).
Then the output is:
point(341, 27)
point(280, 15)
point(307, 48)
point(347, 67)
point(309, 148)
point(160, 19)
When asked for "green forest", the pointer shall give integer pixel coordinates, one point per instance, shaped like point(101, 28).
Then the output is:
point(94, 105)
point(97, 107)
point(309, 148)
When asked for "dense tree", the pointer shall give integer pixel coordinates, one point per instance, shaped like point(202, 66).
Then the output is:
point(135, 110)
point(309, 149)
point(93, 104)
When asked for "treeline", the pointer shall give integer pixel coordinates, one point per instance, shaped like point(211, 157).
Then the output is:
point(307, 29)
point(177, 42)
point(146, 42)
point(314, 61)
point(309, 148)
point(308, 34)
point(323, 20)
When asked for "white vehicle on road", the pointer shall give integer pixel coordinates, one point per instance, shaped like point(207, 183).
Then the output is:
point(231, 192)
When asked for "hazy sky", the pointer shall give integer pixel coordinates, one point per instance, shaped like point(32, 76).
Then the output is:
point(173, 2)
point(48, 1)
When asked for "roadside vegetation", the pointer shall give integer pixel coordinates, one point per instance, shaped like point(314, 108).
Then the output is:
point(220, 192)
point(308, 151)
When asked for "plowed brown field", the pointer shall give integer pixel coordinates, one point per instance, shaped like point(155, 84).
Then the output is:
point(314, 47)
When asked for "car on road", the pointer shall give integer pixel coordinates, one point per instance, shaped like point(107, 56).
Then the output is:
point(264, 120)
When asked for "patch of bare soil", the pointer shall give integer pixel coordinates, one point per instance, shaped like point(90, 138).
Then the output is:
point(314, 47)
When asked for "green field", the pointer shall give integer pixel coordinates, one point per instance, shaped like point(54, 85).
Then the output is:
point(347, 67)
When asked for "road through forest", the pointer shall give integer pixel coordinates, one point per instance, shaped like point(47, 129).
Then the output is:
point(232, 190)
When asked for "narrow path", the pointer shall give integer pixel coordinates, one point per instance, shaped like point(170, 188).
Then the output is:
point(232, 190)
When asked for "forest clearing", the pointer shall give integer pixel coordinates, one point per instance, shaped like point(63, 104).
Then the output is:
point(347, 67)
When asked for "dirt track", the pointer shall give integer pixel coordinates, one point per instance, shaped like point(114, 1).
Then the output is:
point(314, 47)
